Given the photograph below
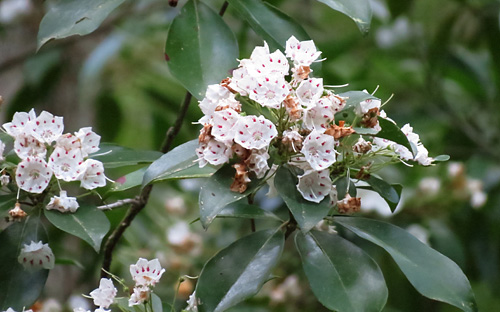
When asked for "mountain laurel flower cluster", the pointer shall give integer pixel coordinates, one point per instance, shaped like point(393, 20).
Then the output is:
point(272, 111)
point(145, 274)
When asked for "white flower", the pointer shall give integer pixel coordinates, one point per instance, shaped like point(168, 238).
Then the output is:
point(63, 203)
point(315, 185)
point(80, 309)
point(92, 176)
point(319, 115)
point(146, 273)
point(309, 92)
point(243, 82)
point(36, 256)
point(140, 294)
point(182, 240)
point(2, 149)
point(268, 64)
point(19, 123)
point(66, 165)
point(254, 132)
point(192, 303)
point(293, 138)
point(28, 146)
point(4, 179)
point(302, 53)
point(270, 91)
point(366, 105)
point(101, 310)
point(216, 153)
point(422, 156)
point(46, 127)
point(318, 150)
point(10, 310)
point(223, 123)
point(105, 294)
point(33, 175)
point(89, 140)
point(257, 162)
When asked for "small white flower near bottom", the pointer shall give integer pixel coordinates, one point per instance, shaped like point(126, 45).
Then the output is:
point(192, 303)
point(63, 203)
point(36, 256)
point(105, 294)
point(140, 294)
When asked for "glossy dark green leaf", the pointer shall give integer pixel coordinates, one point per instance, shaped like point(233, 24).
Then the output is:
point(20, 288)
point(113, 156)
point(353, 98)
point(342, 276)
point(391, 193)
point(7, 202)
point(179, 163)
point(246, 211)
point(128, 181)
point(306, 213)
point(431, 273)
point(274, 26)
point(74, 17)
point(215, 194)
point(201, 49)
point(359, 11)
point(392, 132)
point(238, 271)
point(87, 223)
point(343, 188)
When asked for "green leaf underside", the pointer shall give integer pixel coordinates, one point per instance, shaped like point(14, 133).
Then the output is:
point(392, 132)
point(200, 47)
point(359, 11)
point(274, 26)
point(19, 287)
point(87, 223)
point(238, 271)
point(113, 156)
point(306, 213)
point(391, 193)
point(74, 17)
point(431, 273)
point(353, 98)
point(179, 163)
point(342, 276)
point(243, 210)
point(215, 194)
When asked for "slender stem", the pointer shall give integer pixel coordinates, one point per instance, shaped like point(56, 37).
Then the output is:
point(223, 8)
point(250, 202)
point(118, 203)
point(291, 226)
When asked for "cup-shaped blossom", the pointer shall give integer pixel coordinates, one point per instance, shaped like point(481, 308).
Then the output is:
point(36, 256)
point(33, 175)
point(27, 146)
point(319, 115)
point(92, 174)
point(68, 142)
point(67, 165)
point(19, 122)
point(366, 105)
point(319, 150)
point(254, 132)
point(104, 295)
point(315, 185)
point(140, 294)
point(63, 203)
point(46, 127)
point(89, 140)
point(270, 91)
point(223, 123)
point(146, 273)
point(302, 53)
point(309, 92)
point(274, 64)
point(216, 153)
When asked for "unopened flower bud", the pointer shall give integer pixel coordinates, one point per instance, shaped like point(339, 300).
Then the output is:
point(362, 146)
point(185, 289)
point(4, 179)
point(17, 214)
point(349, 204)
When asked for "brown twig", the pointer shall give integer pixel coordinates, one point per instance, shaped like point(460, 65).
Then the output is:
point(119, 203)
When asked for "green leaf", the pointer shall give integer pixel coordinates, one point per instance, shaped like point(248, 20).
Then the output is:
point(306, 213)
point(87, 223)
point(7, 203)
point(341, 185)
point(113, 156)
point(442, 158)
point(392, 132)
point(215, 194)
point(238, 271)
point(156, 303)
point(128, 181)
point(243, 210)
point(20, 288)
point(353, 98)
point(342, 276)
point(432, 274)
point(359, 11)
point(179, 163)
point(391, 193)
point(274, 26)
point(200, 47)
point(74, 17)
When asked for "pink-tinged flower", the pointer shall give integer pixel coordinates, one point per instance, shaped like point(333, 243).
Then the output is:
point(92, 174)
point(36, 256)
point(46, 127)
point(319, 115)
point(319, 150)
point(19, 123)
point(140, 294)
point(302, 53)
point(223, 123)
point(33, 175)
point(66, 165)
point(216, 153)
point(315, 185)
point(257, 162)
point(309, 92)
point(105, 294)
point(254, 132)
point(270, 91)
point(89, 140)
point(63, 203)
point(68, 142)
point(27, 146)
point(146, 273)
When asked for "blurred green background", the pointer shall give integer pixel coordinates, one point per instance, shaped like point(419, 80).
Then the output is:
point(440, 59)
